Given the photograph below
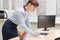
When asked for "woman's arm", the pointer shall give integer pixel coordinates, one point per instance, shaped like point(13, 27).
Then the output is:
point(28, 23)
point(21, 20)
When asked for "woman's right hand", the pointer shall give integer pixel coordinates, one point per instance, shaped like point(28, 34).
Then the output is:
point(20, 34)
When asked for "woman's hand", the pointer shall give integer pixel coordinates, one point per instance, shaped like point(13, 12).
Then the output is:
point(36, 34)
point(20, 34)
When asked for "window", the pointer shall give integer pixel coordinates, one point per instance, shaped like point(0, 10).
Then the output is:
point(5, 4)
point(17, 3)
point(0, 3)
point(58, 8)
point(42, 7)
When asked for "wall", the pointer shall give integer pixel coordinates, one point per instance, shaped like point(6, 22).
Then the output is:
point(58, 11)
point(58, 8)
point(17, 3)
point(42, 7)
point(51, 7)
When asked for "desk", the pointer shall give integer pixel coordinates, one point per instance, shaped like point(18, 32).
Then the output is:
point(51, 36)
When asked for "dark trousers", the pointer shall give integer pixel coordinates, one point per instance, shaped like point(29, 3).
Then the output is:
point(9, 30)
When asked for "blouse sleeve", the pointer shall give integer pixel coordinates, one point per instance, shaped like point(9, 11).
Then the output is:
point(21, 20)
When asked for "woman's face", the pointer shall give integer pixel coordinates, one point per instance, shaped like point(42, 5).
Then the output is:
point(31, 7)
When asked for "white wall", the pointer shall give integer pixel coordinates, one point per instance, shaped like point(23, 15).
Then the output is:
point(58, 8)
point(17, 3)
point(1, 4)
point(51, 7)
point(42, 7)
point(58, 12)
point(10, 4)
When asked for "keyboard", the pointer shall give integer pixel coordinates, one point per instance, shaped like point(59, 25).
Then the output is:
point(44, 33)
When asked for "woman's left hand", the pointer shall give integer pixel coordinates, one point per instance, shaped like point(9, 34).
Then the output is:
point(36, 34)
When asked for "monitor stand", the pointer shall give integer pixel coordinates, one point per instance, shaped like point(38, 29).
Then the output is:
point(45, 29)
point(44, 33)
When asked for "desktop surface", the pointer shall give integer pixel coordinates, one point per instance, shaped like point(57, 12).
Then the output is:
point(52, 34)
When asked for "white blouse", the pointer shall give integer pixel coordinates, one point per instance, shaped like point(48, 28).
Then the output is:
point(20, 17)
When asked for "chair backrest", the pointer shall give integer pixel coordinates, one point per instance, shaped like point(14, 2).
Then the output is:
point(3, 14)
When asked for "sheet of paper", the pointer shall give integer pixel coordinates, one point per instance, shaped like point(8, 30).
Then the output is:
point(41, 36)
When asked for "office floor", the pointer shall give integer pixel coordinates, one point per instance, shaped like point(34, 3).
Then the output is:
point(34, 27)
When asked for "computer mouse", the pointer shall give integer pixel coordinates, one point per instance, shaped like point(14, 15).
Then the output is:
point(57, 38)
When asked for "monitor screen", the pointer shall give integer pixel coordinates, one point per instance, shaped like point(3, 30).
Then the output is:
point(46, 21)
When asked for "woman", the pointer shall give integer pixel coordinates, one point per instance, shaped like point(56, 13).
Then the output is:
point(19, 17)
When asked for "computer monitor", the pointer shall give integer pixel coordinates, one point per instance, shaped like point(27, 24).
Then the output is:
point(45, 21)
